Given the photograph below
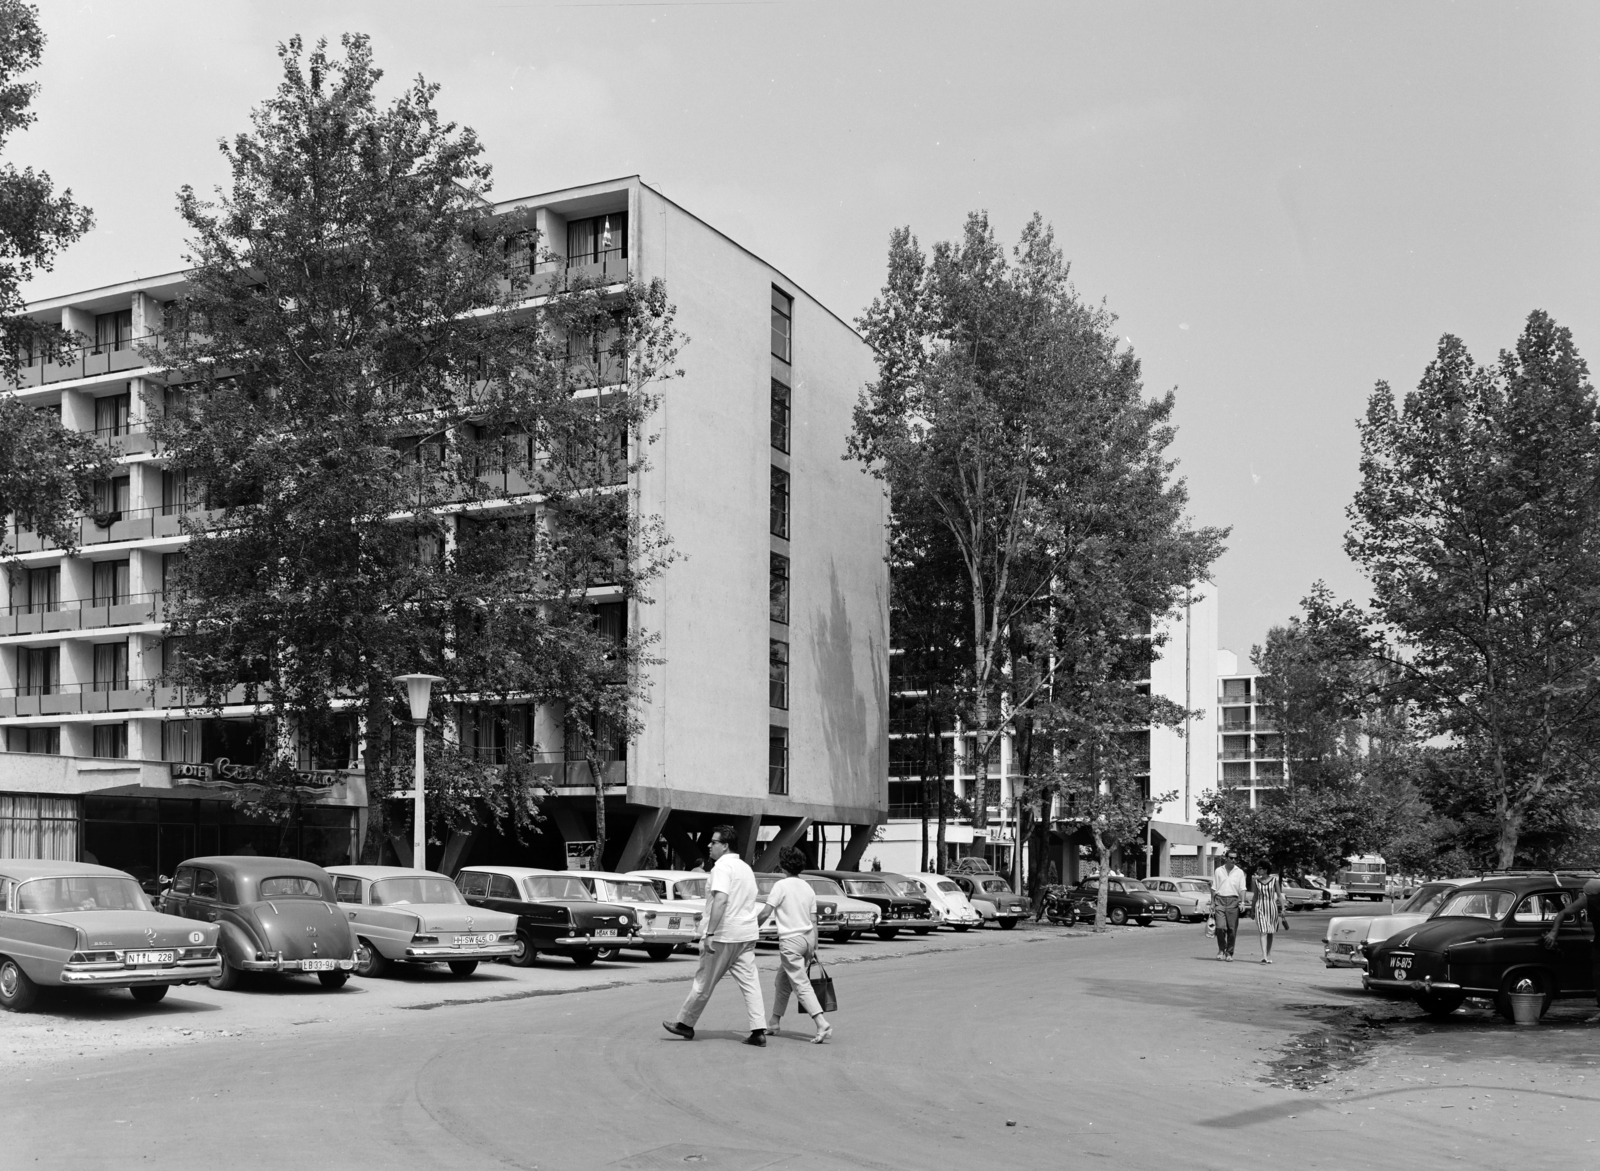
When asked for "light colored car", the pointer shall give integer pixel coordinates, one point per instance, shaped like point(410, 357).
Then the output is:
point(75, 925)
point(854, 915)
point(987, 889)
point(828, 920)
point(682, 886)
point(406, 916)
point(951, 907)
point(1336, 893)
point(664, 925)
point(1347, 935)
point(1186, 898)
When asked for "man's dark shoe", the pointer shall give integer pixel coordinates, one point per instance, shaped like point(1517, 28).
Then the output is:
point(758, 1037)
point(678, 1027)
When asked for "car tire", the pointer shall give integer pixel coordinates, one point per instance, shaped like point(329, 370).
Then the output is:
point(1439, 1005)
point(1117, 916)
point(921, 930)
point(886, 933)
point(228, 979)
point(584, 959)
point(370, 962)
point(1502, 1000)
point(463, 968)
point(333, 980)
point(525, 954)
point(1174, 915)
point(149, 993)
point(659, 954)
point(1007, 923)
point(17, 990)
point(843, 936)
point(608, 954)
point(958, 928)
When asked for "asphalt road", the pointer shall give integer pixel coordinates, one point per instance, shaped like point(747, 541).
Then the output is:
point(1133, 1047)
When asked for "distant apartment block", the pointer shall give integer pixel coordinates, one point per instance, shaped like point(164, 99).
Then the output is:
point(1250, 753)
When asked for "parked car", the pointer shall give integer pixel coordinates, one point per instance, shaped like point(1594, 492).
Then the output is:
point(904, 884)
point(405, 916)
point(1186, 898)
point(1486, 940)
point(853, 915)
point(990, 888)
point(896, 911)
point(1300, 895)
point(1343, 942)
point(276, 915)
point(1126, 899)
point(951, 907)
point(1336, 893)
point(556, 913)
point(828, 915)
point(75, 925)
point(682, 886)
point(661, 927)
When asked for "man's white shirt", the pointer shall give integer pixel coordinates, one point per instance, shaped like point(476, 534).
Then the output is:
point(734, 878)
point(1229, 882)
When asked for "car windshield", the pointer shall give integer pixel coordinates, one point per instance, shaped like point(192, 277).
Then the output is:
point(1197, 887)
point(290, 886)
point(51, 896)
point(825, 886)
point(1478, 904)
point(1426, 901)
point(689, 888)
point(631, 892)
point(907, 888)
point(949, 887)
point(859, 886)
point(996, 886)
point(1133, 884)
point(555, 886)
point(394, 891)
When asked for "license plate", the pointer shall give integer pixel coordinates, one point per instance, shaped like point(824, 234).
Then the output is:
point(1400, 967)
point(605, 933)
point(149, 957)
point(672, 924)
point(1344, 947)
point(473, 940)
point(318, 965)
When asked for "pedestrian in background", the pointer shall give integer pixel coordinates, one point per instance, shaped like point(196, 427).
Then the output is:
point(1268, 908)
point(727, 941)
point(1227, 890)
point(794, 904)
point(1588, 900)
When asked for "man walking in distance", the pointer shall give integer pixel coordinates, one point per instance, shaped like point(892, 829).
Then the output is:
point(1227, 890)
point(795, 904)
point(1590, 899)
point(728, 939)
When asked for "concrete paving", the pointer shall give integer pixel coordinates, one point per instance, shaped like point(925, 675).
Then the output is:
point(1033, 1048)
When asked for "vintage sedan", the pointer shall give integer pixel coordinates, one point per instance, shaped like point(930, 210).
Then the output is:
point(951, 907)
point(990, 888)
point(852, 916)
point(1344, 942)
point(828, 916)
point(1487, 940)
point(679, 886)
point(276, 915)
point(406, 916)
point(75, 925)
point(662, 927)
point(1300, 895)
point(896, 911)
point(556, 913)
point(1126, 898)
point(1186, 898)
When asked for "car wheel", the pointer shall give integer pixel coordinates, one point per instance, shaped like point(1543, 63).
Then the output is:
point(921, 930)
point(334, 979)
point(1174, 915)
point(1515, 983)
point(149, 993)
point(1118, 916)
point(17, 990)
point(525, 954)
point(958, 928)
point(1008, 923)
point(370, 962)
point(843, 936)
point(227, 979)
point(887, 933)
point(658, 953)
point(584, 959)
point(608, 954)
point(1439, 1005)
point(463, 967)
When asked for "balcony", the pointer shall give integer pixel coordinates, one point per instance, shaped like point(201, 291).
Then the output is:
point(127, 439)
point(70, 699)
point(128, 524)
point(85, 362)
point(85, 614)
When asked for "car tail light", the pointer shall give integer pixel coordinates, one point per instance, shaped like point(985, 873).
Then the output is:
point(424, 939)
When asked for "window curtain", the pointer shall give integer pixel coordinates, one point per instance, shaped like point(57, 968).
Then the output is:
point(39, 827)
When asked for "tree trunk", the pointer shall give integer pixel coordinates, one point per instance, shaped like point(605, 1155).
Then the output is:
point(927, 720)
point(1104, 896)
point(372, 765)
point(1510, 831)
point(598, 774)
point(980, 771)
point(941, 849)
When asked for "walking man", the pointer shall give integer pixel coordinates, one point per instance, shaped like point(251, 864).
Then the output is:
point(795, 904)
point(727, 941)
point(1227, 890)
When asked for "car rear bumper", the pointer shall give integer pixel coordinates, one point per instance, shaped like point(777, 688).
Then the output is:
point(1411, 985)
point(585, 942)
point(433, 955)
point(120, 977)
point(279, 964)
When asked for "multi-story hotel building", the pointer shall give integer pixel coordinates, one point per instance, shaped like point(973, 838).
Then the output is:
point(1250, 753)
point(768, 708)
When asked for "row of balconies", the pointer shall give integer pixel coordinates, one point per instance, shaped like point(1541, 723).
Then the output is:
point(128, 524)
point(85, 614)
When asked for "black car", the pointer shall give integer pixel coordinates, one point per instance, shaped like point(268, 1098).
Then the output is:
point(1126, 899)
point(1487, 940)
point(555, 912)
point(896, 910)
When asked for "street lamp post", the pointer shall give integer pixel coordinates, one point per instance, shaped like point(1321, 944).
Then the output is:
point(419, 689)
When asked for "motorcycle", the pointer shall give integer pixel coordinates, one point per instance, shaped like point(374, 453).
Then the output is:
point(1057, 906)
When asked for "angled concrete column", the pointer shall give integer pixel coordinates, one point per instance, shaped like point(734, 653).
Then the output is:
point(685, 845)
point(860, 839)
point(791, 830)
point(402, 848)
point(646, 829)
point(748, 827)
point(454, 850)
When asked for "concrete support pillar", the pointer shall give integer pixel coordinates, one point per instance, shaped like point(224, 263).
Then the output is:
point(402, 848)
point(790, 831)
point(455, 850)
point(748, 827)
point(860, 839)
point(685, 846)
point(646, 829)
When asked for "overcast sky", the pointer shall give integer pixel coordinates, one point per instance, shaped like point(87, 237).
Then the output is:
point(1284, 203)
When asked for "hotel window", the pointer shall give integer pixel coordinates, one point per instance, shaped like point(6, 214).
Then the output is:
point(113, 331)
point(780, 416)
point(778, 674)
point(171, 564)
point(180, 741)
point(782, 325)
point(778, 589)
point(111, 415)
point(778, 762)
point(38, 670)
point(44, 589)
point(174, 492)
point(40, 740)
point(111, 666)
point(111, 741)
point(780, 503)
point(110, 583)
point(595, 239)
point(111, 497)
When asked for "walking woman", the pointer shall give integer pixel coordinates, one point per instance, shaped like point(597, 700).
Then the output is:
point(795, 904)
point(1268, 908)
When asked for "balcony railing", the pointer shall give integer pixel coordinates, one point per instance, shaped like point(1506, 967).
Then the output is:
point(84, 362)
point(126, 438)
point(68, 699)
point(105, 528)
point(83, 614)
point(610, 267)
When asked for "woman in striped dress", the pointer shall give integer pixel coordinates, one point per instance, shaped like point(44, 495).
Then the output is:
point(1268, 907)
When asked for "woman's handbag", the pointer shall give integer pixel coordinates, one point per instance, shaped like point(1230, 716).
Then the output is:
point(1283, 924)
point(1211, 926)
point(823, 986)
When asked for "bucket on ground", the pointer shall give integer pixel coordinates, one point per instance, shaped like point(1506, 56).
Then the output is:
point(1526, 1007)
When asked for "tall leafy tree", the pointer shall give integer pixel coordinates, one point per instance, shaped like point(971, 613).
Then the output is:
point(47, 473)
point(404, 460)
point(1478, 524)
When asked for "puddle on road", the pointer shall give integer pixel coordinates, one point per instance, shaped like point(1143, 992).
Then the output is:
point(1344, 1039)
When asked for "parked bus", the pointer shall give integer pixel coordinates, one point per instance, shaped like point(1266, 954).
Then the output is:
point(1364, 877)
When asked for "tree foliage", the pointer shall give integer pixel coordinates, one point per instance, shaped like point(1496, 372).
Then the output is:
point(400, 458)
